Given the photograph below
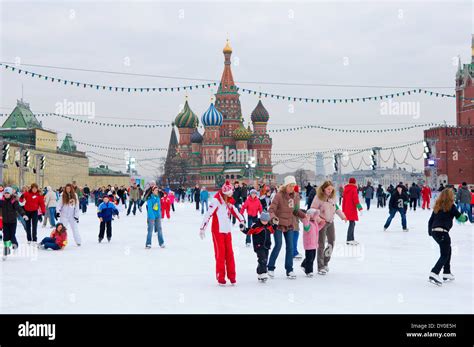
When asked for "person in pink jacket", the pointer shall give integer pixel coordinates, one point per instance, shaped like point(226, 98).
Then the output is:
point(172, 198)
point(311, 226)
point(254, 208)
point(325, 202)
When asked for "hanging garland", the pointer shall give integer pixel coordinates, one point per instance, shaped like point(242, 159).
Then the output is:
point(13, 138)
point(107, 87)
point(209, 85)
point(362, 131)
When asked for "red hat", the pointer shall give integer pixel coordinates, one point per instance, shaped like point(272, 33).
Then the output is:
point(227, 188)
point(352, 180)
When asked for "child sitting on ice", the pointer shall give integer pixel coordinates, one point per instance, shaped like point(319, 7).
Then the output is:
point(57, 240)
point(312, 223)
point(261, 231)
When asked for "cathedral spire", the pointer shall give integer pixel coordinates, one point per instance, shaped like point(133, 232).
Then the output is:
point(227, 81)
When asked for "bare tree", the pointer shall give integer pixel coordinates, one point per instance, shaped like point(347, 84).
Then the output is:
point(301, 177)
point(176, 171)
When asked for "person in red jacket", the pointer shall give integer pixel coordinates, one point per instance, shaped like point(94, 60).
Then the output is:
point(57, 240)
point(350, 207)
point(165, 206)
point(221, 208)
point(33, 201)
point(426, 196)
point(253, 207)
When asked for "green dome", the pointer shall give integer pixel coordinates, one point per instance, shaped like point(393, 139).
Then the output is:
point(186, 118)
point(242, 134)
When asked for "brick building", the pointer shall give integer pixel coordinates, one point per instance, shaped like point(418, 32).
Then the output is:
point(452, 147)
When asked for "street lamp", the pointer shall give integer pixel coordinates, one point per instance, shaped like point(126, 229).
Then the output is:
point(251, 165)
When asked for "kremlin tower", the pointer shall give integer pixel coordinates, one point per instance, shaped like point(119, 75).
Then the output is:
point(226, 146)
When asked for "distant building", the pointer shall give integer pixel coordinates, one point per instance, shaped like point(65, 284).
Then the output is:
point(384, 176)
point(102, 176)
point(34, 157)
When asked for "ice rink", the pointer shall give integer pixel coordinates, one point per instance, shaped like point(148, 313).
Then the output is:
point(386, 273)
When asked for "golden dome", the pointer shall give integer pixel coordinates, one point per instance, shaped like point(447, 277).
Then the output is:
point(227, 48)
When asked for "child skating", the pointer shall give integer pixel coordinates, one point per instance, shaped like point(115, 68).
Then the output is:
point(439, 225)
point(221, 209)
point(261, 231)
point(10, 208)
point(106, 211)
point(311, 226)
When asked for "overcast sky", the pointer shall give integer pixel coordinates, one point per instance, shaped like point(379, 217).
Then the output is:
point(391, 44)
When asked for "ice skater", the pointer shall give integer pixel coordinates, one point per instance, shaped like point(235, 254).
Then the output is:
point(398, 203)
point(68, 211)
point(105, 212)
point(439, 225)
point(312, 223)
point(261, 231)
point(10, 208)
point(221, 209)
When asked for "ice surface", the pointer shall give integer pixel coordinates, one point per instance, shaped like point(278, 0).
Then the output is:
point(386, 273)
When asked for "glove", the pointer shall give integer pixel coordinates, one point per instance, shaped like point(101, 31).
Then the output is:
point(40, 218)
point(202, 234)
point(57, 215)
point(76, 219)
point(25, 217)
point(242, 226)
point(275, 220)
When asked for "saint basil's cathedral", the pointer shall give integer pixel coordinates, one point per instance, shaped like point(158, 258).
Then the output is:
point(226, 148)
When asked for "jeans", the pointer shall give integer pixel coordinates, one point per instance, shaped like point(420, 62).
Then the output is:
point(49, 242)
point(278, 235)
point(296, 235)
point(52, 216)
point(367, 202)
point(250, 221)
point(393, 211)
point(350, 230)
point(204, 202)
point(154, 225)
point(444, 261)
point(466, 208)
point(134, 203)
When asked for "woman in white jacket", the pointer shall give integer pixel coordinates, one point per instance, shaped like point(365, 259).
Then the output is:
point(68, 211)
point(51, 201)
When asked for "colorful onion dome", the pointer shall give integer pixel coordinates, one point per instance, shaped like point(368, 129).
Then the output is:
point(242, 134)
point(212, 117)
point(227, 48)
point(186, 118)
point(260, 114)
point(196, 137)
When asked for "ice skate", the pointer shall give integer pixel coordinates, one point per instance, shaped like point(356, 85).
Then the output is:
point(271, 274)
point(291, 275)
point(326, 268)
point(247, 245)
point(448, 277)
point(309, 274)
point(298, 256)
point(434, 278)
point(406, 229)
point(322, 272)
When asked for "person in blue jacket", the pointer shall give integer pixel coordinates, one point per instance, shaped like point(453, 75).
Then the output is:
point(204, 197)
point(153, 208)
point(105, 212)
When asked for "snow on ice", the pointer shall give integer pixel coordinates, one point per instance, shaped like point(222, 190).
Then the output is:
point(386, 273)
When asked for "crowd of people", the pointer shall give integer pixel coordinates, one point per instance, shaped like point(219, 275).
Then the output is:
point(268, 210)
